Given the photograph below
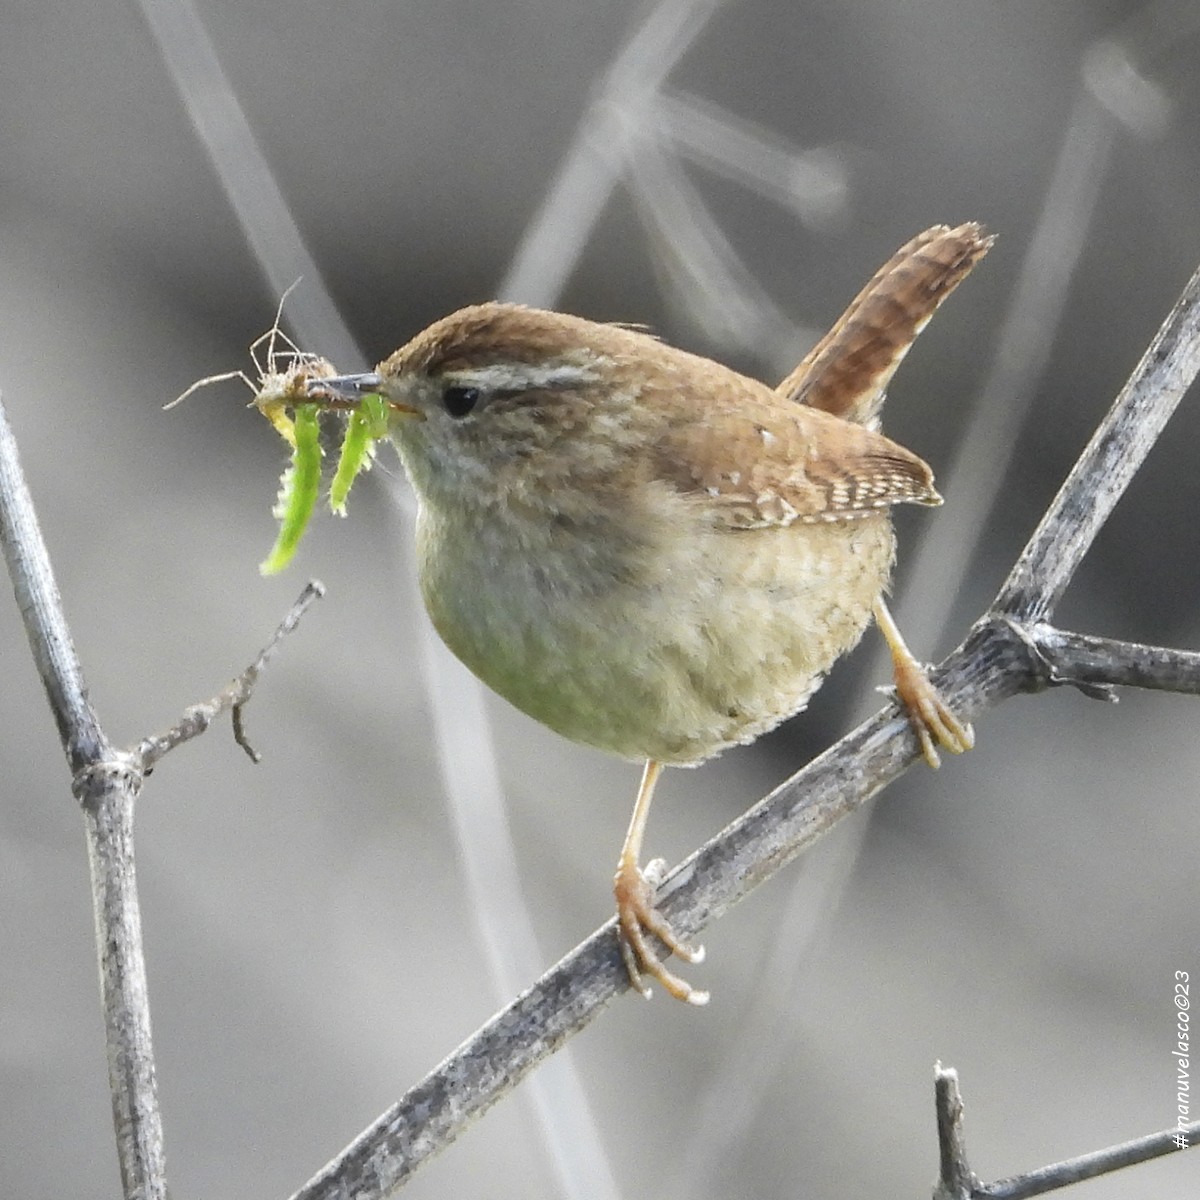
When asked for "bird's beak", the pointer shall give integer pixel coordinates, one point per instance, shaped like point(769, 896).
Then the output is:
point(348, 390)
point(347, 387)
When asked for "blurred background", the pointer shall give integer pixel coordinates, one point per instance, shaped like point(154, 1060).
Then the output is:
point(323, 928)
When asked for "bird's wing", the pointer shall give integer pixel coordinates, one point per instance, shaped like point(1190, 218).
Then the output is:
point(765, 464)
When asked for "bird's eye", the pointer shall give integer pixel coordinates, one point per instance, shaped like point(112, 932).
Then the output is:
point(459, 401)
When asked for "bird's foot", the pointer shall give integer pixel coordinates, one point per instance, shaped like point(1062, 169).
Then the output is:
point(637, 918)
point(928, 713)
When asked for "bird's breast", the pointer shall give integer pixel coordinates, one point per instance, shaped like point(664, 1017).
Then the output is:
point(666, 639)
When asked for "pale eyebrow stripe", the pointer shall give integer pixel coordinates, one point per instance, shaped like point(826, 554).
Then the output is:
point(520, 377)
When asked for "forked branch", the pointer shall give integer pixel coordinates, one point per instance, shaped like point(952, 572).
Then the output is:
point(956, 1180)
point(107, 781)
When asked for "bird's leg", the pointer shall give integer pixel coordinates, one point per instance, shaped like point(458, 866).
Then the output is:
point(927, 712)
point(636, 915)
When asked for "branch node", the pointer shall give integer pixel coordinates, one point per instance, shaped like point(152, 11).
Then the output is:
point(1044, 672)
point(117, 770)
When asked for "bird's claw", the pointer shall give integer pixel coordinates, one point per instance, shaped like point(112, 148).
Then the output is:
point(637, 918)
point(930, 716)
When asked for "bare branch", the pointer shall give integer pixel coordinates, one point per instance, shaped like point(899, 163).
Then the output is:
point(106, 783)
point(107, 790)
point(957, 1182)
point(233, 696)
point(1089, 663)
point(1110, 460)
point(1089, 1166)
point(1001, 656)
point(42, 611)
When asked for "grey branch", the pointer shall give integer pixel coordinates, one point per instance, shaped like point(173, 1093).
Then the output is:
point(1010, 649)
point(106, 781)
point(957, 1182)
point(1097, 664)
point(955, 1178)
point(233, 697)
point(1088, 1166)
point(42, 611)
point(107, 791)
point(1108, 463)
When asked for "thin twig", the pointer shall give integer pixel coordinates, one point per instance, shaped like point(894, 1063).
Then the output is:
point(106, 782)
point(107, 791)
point(999, 658)
point(1089, 1166)
point(956, 1181)
point(42, 611)
point(234, 695)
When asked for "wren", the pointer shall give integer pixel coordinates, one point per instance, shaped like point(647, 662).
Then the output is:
point(651, 553)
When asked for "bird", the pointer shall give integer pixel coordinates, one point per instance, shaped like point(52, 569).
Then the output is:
point(651, 553)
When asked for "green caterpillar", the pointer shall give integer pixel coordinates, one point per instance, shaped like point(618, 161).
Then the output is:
point(366, 426)
point(299, 487)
